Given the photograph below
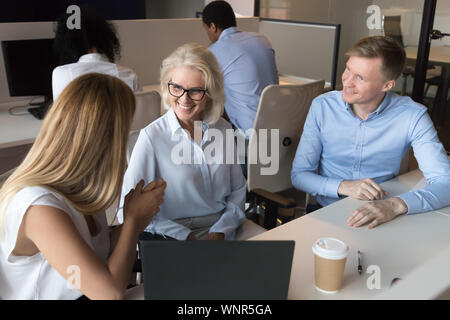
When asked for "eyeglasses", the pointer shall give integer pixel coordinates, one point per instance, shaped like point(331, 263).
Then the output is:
point(195, 94)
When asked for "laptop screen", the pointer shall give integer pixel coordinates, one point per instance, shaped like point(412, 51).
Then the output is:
point(216, 270)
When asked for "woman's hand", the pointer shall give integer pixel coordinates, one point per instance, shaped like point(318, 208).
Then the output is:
point(142, 203)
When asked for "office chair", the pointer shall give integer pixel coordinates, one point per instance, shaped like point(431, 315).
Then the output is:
point(281, 107)
point(148, 109)
point(392, 28)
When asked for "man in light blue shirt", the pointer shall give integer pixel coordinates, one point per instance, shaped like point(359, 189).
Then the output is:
point(247, 61)
point(355, 139)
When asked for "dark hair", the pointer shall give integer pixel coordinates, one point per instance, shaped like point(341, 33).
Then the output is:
point(95, 32)
point(392, 55)
point(220, 13)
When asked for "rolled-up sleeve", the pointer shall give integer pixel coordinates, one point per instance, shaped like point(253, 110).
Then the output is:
point(233, 214)
point(142, 166)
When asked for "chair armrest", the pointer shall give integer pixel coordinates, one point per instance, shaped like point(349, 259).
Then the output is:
point(276, 199)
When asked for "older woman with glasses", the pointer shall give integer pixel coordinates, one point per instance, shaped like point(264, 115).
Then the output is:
point(191, 148)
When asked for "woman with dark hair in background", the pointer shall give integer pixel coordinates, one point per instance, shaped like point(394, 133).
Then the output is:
point(93, 47)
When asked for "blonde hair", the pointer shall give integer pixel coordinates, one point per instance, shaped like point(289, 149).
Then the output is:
point(199, 57)
point(80, 151)
point(392, 55)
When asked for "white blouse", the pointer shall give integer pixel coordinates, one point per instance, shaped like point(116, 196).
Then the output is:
point(91, 62)
point(32, 277)
point(198, 189)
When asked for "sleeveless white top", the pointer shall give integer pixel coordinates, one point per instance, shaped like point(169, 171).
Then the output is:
point(32, 277)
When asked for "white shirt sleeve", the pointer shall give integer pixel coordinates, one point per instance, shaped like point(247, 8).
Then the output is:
point(233, 214)
point(60, 80)
point(142, 166)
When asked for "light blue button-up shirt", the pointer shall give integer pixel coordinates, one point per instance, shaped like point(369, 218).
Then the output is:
point(337, 145)
point(195, 187)
point(248, 64)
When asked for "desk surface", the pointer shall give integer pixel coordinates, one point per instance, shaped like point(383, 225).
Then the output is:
point(19, 130)
point(438, 55)
point(397, 247)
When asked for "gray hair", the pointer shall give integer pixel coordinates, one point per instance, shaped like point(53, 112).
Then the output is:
point(199, 57)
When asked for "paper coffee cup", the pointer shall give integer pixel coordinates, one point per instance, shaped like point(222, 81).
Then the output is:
point(330, 256)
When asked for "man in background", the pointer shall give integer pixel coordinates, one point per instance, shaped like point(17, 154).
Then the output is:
point(247, 61)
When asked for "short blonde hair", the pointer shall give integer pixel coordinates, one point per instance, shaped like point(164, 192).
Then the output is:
point(80, 151)
point(199, 57)
point(392, 55)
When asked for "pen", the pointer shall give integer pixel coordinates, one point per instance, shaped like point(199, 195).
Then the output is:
point(359, 262)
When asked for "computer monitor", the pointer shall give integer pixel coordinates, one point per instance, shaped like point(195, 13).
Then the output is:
point(29, 65)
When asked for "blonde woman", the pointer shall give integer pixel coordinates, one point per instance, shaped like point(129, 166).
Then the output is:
point(54, 244)
point(205, 195)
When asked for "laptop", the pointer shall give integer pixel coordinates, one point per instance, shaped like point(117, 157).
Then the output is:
point(216, 270)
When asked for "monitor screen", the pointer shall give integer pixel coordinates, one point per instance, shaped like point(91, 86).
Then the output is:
point(29, 65)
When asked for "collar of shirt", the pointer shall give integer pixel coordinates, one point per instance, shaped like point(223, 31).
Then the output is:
point(386, 101)
point(175, 126)
point(227, 32)
point(93, 57)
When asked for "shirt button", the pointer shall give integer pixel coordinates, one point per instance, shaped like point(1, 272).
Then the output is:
point(357, 147)
point(362, 123)
point(355, 166)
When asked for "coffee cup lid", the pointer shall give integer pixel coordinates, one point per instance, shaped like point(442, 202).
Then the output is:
point(330, 248)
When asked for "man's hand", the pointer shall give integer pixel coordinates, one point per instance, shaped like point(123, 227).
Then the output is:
point(215, 236)
point(377, 212)
point(365, 189)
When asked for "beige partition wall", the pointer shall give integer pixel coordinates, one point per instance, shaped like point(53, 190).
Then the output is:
point(303, 49)
point(145, 43)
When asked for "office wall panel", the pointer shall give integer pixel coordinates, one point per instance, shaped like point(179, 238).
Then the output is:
point(302, 49)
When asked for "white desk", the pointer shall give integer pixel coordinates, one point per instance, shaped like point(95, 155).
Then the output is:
point(20, 130)
point(283, 79)
point(397, 247)
point(17, 130)
point(439, 55)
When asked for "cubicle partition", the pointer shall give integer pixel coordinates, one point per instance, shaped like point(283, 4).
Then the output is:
point(144, 44)
point(304, 49)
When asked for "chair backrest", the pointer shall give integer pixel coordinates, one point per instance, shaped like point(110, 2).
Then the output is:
point(132, 138)
point(283, 108)
point(148, 109)
point(393, 29)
